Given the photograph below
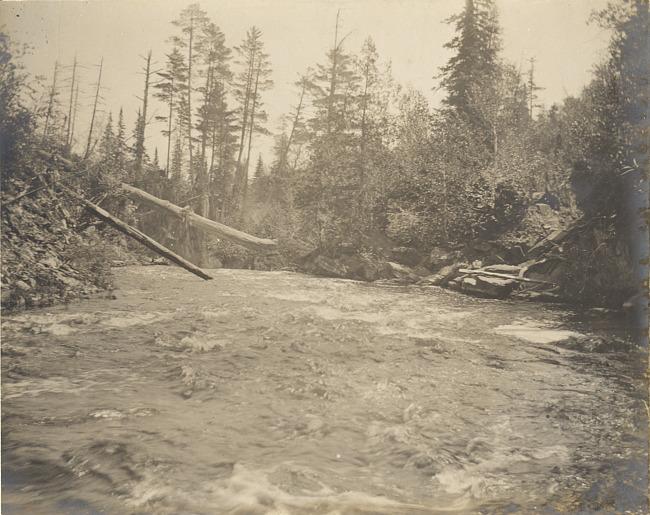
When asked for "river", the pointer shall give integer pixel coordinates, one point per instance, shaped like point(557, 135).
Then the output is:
point(275, 392)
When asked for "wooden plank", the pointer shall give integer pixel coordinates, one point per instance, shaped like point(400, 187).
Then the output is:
point(136, 235)
point(503, 276)
point(245, 240)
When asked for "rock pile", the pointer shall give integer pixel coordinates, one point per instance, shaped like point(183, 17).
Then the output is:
point(44, 261)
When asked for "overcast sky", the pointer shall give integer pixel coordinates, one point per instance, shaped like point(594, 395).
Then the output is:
point(297, 34)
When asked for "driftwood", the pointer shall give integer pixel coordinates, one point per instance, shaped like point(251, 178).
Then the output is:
point(245, 240)
point(503, 276)
point(136, 234)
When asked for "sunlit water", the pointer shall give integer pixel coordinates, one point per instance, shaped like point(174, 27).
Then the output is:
point(272, 392)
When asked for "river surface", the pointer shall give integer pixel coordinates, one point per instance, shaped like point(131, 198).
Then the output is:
point(274, 392)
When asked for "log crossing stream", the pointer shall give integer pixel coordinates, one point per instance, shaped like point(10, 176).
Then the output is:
point(275, 392)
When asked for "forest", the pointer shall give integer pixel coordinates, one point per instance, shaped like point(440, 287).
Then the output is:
point(364, 171)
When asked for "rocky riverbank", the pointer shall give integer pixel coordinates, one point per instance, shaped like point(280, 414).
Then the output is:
point(52, 253)
point(579, 261)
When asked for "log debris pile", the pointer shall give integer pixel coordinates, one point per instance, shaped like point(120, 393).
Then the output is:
point(579, 263)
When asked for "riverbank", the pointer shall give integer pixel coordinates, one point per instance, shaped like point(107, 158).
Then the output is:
point(53, 253)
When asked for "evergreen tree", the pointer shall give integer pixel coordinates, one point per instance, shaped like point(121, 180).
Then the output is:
point(191, 21)
point(252, 80)
point(213, 122)
point(17, 121)
point(170, 90)
point(327, 189)
point(477, 45)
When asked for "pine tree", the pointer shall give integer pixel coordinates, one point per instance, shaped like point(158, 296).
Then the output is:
point(250, 82)
point(108, 152)
point(17, 123)
point(191, 21)
point(477, 45)
point(213, 122)
point(71, 107)
point(170, 90)
point(327, 189)
point(260, 169)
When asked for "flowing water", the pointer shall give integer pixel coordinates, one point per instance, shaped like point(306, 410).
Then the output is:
point(273, 392)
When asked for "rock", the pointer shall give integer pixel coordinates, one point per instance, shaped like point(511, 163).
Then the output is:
point(492, 287)
point(544, 210)
point(404, 273)
point(407, 256)
point(5, 294)
point(363, 268)
point(444, 275)
point(455, 284)
point(421, 271)
point(69, 281)
point(22, 285)
point(537, 296)
point(440, 257)
point(326, 267)
point(346, 249)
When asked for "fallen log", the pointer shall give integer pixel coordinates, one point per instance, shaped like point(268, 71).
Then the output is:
point(504, 276)
point(136, 234)
point(198, 222)
point(266, 246)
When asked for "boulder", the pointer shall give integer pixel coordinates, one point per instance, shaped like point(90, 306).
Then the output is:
point(492, 287)
point(407, 256)
point(363, 268)
point(404, 273)
point(444, 275)
point(537, 296)
point(326, 267)
point(455, 284)
point(440, 257)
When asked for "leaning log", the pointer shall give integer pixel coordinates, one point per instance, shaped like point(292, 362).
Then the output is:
point(135, 234)
point(265, 246)
point(504, 276)
point(245, 240)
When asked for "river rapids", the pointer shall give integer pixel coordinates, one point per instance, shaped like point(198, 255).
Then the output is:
point(279, 393)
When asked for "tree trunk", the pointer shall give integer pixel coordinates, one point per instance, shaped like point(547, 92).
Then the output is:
point(136, 235)
point(68, 136)
point(139, 144)
point(92, 119)
point(50, 106)
point(199, 222)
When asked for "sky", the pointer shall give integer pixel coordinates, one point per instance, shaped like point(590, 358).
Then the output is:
point(297, 34)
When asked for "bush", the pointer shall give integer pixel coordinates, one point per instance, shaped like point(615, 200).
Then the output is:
point(408, 228)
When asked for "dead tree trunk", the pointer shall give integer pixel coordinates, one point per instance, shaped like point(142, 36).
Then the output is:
point(136, 235)
point(223, 231)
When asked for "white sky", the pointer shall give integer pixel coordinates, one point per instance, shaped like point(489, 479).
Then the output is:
point(297, 34)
